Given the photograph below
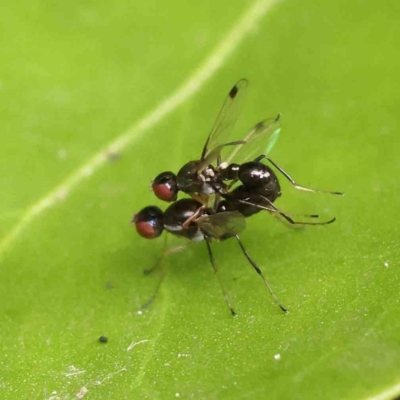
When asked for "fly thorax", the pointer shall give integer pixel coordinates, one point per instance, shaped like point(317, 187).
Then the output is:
point(187, 178)
point(229, 172)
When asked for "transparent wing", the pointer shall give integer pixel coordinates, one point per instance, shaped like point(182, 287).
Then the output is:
point(227, 117)
point(225, 121)
point(222, 225)
point(259, 140)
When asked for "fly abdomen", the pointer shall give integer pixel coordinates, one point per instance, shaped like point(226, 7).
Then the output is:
point(254, 173)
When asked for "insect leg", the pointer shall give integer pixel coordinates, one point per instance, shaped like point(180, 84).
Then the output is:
point(148, 271)
point(161, 264)
point(231, 184)
point(259, 272)
point(292, 181)
point(193, 217)
point(217, 200)
point(210, 254)
point(290, 220)
point(217, 197)
point(273, 209)
point(285, 222)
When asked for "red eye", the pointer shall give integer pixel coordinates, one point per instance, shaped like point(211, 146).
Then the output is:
point(149, 222)
point(165, 186)
point(146, 230)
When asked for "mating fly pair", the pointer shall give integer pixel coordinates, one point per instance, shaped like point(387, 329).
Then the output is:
point(224, 188)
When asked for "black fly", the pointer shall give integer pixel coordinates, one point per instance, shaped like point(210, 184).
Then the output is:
point(225, 188)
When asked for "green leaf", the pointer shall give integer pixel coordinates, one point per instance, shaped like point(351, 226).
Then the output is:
point(97, 99)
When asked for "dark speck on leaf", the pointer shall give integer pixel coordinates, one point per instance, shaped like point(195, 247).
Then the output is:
point(109, 285)
point(103, 339)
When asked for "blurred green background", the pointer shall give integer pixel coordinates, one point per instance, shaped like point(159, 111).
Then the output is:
point(74, 77)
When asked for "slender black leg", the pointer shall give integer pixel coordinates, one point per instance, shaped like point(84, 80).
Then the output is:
point(274, 209)
point(284, 221)
point(259, 272)
point(161, 264)
point(210, 253)
point(292, 181)
point(291, 221)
